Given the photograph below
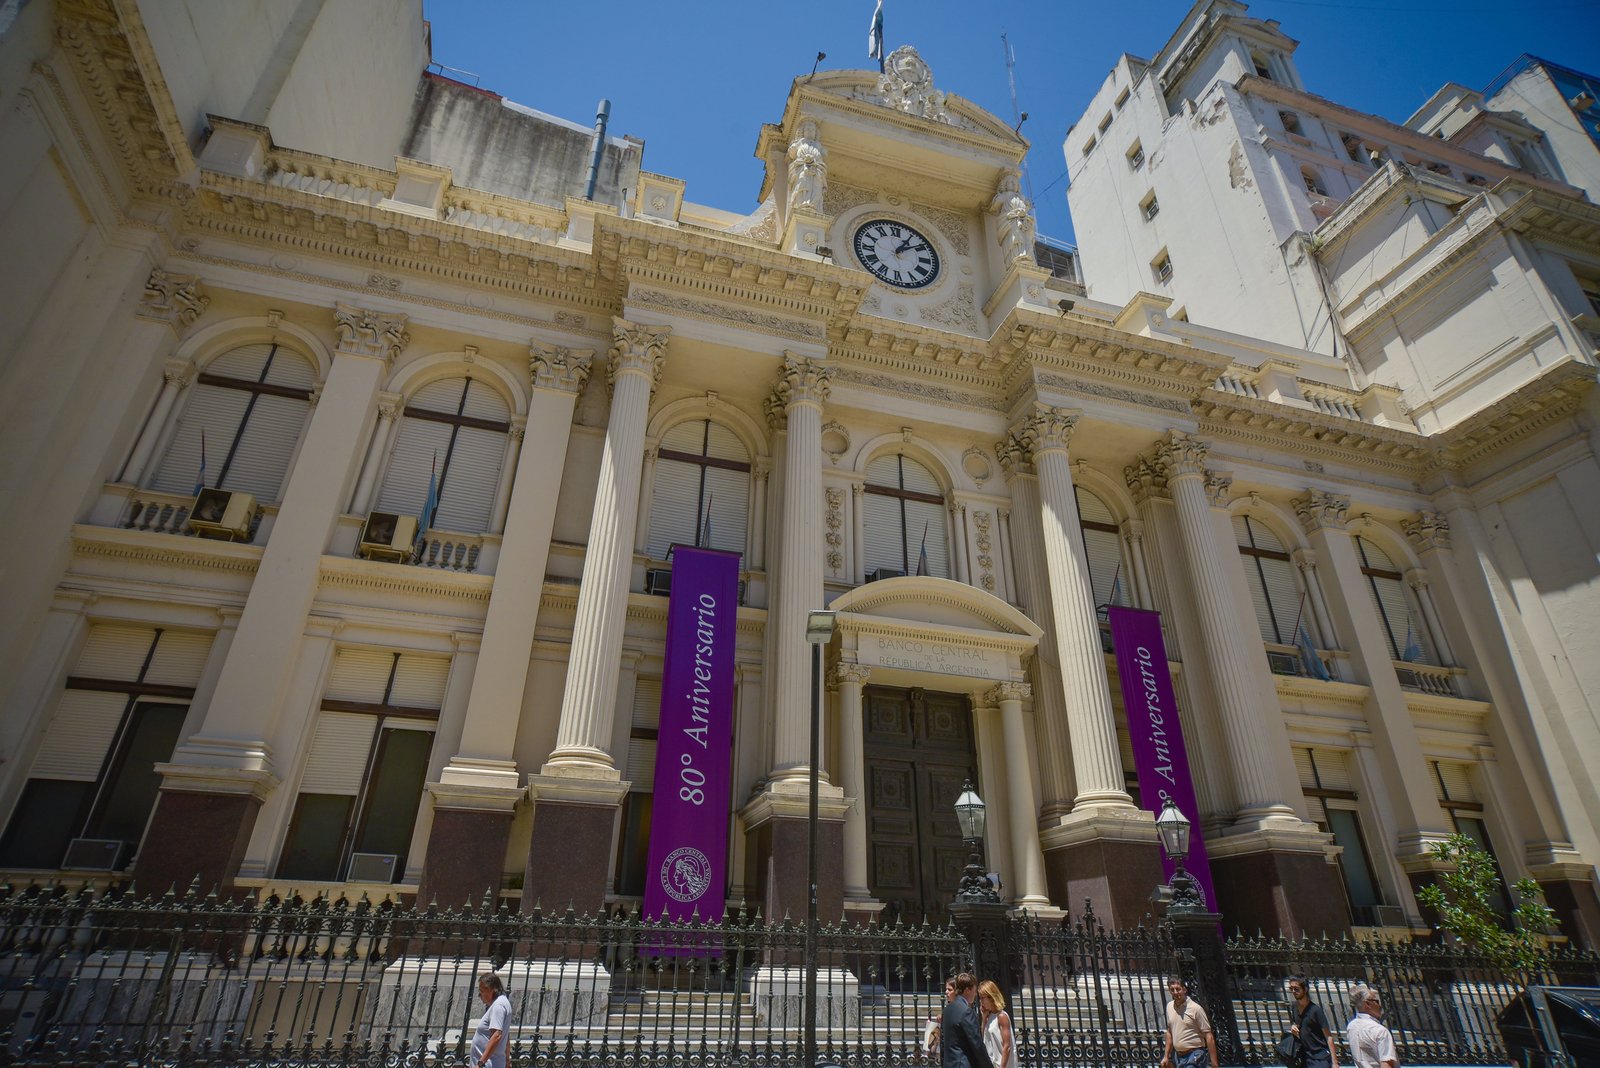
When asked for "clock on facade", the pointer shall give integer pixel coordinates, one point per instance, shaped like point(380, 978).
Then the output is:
point(896, 254)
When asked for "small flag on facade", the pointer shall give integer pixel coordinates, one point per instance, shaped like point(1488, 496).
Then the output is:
point(875, 36)
point(922, 553)
point(200, 476)
point(1314, 666)
point(702, 539)
point(1413, 650)
point(430, 505)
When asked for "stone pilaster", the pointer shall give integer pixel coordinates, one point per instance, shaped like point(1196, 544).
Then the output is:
point(852, 777)
point(1027, 858)
point(175, 378)
point(389, 407)
point(588, 704)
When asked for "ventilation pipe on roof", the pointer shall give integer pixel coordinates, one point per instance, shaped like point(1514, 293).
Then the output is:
point(601, 117)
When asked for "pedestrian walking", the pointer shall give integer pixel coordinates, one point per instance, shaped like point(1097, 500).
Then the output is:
point(999, 1040)
point(959, 1043)
point(1310, 1027)
point(1189, 1035)
point(492, 1038)
point(1371, 1044)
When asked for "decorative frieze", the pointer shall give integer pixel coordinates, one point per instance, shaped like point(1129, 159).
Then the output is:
point(833, 519)
point(982, 522)
point(174, 299)
point(1318, 510)
point(364, 332)
point(637, 349)
point(1429, 530)
point(559, 368)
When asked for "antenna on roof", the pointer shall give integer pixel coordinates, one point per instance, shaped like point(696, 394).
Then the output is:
point(1017, 114)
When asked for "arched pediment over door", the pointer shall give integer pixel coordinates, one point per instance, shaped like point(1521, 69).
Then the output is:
point(913, 630)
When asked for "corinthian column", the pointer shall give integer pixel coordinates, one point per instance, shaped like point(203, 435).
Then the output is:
point(797, 400)
point(1023, 806)
point(588, 704)
point(1247, 718)
point(853, 777)
point(1096, 760)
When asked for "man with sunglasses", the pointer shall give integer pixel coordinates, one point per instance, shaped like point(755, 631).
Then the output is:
point(1310, 1027)
point(1371, 1044)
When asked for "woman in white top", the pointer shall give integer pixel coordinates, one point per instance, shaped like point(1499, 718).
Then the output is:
point(998, 1041)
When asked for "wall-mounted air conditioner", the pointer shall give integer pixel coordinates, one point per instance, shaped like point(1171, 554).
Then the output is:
point(1284, 663)
point(220, 513)
point(884, 573)
point(93, 854)
point(658, 581)
point(1389, 916)
point(388, 536)
point(372, 867)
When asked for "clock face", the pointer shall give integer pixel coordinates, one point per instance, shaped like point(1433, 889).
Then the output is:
point(896, 254)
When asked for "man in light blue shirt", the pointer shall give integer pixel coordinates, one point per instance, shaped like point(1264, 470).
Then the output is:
point(491, 1042)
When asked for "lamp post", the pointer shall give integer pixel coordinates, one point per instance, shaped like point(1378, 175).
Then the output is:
point(970, 814)
point(1182, 891)
point(819, 631)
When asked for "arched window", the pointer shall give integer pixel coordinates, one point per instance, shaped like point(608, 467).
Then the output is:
point(1407, 641)
point(452, 435)
point(240, 426)
point(1268, 571)
point(701, 491)
point(904, 520)
point(1102, 545)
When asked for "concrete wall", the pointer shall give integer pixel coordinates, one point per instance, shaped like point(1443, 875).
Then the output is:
point(1536, 98)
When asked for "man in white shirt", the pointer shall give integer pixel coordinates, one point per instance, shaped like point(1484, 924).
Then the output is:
point(490, 1042)
point(1371, 1044)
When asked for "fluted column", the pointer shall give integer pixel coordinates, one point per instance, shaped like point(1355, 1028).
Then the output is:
point(1247, 720)
point(1027, 858)
point(1417, 579)
point(175, 379)
point(588, 704)
point(1306, 561)
point(1032, 587)
point(516, 434)
point(797, 399)
point(1133, 541)
point(377, 449)
point(1096, 759)
point(758, 514)
point(853, 777)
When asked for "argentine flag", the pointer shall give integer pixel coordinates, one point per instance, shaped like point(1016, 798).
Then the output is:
point(875, 36)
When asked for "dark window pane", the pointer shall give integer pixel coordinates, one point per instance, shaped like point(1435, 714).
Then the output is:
point(394, 793)
point(1474, 829)
point(130, 795)
point(316, 837)
point(46, 819)
point(634, 846)
point(1358, 882)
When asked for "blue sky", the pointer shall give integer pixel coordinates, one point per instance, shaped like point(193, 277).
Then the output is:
point(697, 80)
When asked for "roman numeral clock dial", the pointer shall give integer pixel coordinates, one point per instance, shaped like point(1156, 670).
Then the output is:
point(896, 254)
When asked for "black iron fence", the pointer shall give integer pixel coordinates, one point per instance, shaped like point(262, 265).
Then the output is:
point(92, 978)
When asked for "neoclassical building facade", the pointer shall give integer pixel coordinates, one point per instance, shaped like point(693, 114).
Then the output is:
point(357, 457)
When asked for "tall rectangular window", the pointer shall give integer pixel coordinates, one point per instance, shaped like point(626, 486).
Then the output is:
point(1458, 796)
point(1331, 799)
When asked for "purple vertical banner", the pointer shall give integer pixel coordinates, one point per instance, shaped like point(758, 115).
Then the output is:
point(1159, 758)
point(688, 865)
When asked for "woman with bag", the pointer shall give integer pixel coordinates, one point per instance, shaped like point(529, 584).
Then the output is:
point(1308, 1043)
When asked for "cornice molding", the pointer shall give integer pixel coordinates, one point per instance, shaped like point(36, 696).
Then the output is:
point(165, 550)
point(1556, 394)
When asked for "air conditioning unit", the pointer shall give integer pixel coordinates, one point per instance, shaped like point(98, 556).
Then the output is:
point(93, 854)
point(1284, 663)
point(388, 536)
point(222, 514)
point(1389, 916)
point(372, 867)
point(884, 573)
point(658, 581)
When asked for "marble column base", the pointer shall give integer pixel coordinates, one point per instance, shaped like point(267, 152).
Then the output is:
point(466, 857)
point(1297, 893)
point(1577, 907)
point(569, 857)
point(776, 841)
point(195, 838)
point(1114, 876)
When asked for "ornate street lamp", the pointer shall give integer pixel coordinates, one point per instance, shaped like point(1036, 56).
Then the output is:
point(975, 885)
point(1182, 891)
point(819, 631)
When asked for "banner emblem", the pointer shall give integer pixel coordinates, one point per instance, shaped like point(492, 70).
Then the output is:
point(686, 874)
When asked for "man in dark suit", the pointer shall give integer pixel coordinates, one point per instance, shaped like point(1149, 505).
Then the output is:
point(960, 1044)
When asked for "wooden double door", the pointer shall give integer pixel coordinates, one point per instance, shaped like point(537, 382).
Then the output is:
point(918, 749)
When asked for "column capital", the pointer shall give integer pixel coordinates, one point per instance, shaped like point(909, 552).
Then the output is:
point(364, 332)
point(558, 368)
point(518, 428)
point(801, 380)
point(178, 373)
point(1417, 579)
point(1429, 530)
point(1321, 511)
point(1219, 489)
point(389, 405)
point(1002, 692)
point(856, 673)
point(1133, 529)
point(1181, 454)
point(174, 299)
point(1015, 461)
point(1146, 480)
point(636, 349)
point(1044, 430)
point(1304, 559)
point(761, 467)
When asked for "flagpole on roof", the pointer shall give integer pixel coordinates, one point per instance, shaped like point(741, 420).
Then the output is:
point(875, 36)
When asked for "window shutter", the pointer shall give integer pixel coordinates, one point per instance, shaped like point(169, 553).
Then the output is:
point(244, 362)
point(290, 369)
point(419, 682)
point(217, 411)
point(1104, 550)
point(1284, 593)
point(405, 482)
point(728, 498)
point(642, 751)
point(79, 736)
point(1303, 767)
point(918, 478)
point(180, 657)
point(339, 752)
point(884, 471)
point(686, 437)
point(114, 651)
point(1333, 768)
point(922, 516)
point(360, 675)
point(261, 459)
point(881, 527)
point(673, 506)
point(485, 402)
point(466, 497)
point(1456, 782)
point(724, 444)
point(1092, 509)
point(1389, 595)
point(441, 396)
